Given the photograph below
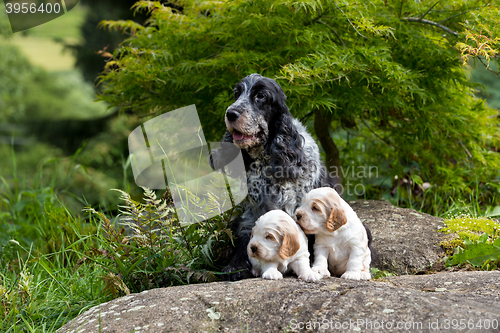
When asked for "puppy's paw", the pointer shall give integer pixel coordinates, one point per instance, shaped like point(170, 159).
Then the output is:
point(256, 272)
point(351, 275)
point(321, 271)
point(310, 276)
point(366, 276)
point(272, 274)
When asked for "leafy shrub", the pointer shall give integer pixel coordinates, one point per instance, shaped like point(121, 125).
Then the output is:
point(147, 247)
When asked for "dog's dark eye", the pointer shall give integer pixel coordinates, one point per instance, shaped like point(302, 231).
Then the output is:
point(260, 96)
point(236, 93)
point(269, 237)
point(315, 208)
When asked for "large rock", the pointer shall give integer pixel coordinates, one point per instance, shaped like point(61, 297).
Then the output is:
point(417, 303)
point(405, 240)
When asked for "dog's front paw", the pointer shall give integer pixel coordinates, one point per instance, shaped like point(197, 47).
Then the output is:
point(272, 274)
point(310, 276)
point(256, 272)
point(366, 276)
point(324, 272)
point(352, 275)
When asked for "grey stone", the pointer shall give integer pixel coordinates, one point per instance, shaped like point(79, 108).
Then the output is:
point(405, 240)
point(257, 305)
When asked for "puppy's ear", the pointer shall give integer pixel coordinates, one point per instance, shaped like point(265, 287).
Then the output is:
point(336, 219)
point(290, 245)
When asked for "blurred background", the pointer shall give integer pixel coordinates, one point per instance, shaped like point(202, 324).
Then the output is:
point(53, 132)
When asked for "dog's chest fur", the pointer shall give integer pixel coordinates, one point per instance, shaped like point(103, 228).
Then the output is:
point(280, 191)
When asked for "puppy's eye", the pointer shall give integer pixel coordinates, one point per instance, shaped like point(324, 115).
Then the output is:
point(270, 237)
point(260, 96)
point(315, 208)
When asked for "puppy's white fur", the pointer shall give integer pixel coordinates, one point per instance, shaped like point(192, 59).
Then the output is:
point(341, 245)
point(278, 245)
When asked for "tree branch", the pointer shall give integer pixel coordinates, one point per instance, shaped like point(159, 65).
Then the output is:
point(332, 155)
point(428, 11)
point(462, 13)
point(488, 67)
point(334, 31)
point(440, 26)
point(348, 20)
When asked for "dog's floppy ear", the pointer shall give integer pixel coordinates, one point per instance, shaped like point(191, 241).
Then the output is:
point(290, 244)
point(336, 219)
point(285, 148)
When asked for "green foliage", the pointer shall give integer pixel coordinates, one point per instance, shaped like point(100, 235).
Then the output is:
point(481, 253)
point(147, 247)
point(378, 274)
point(394, 85)
point(92, 38)
point(475, 240)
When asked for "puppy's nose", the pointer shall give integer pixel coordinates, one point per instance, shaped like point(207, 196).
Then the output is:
point(232, 115)
point(298, 216)
point(253, 248)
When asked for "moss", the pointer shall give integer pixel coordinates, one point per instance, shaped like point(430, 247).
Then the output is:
point(450, 245)
point(467, 227)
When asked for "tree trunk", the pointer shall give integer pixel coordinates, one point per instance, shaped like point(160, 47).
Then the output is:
point(332, 156)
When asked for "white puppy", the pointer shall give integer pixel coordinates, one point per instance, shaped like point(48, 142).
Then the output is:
point(341, 246)
point(277, 245)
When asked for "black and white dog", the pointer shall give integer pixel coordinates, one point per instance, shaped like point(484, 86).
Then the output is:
point(282, 161)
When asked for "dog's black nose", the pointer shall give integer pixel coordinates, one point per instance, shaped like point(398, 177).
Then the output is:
point(253, 248)
point(298, 216)
point(232, 115)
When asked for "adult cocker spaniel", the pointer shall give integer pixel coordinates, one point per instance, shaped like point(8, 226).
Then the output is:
point(282, 160)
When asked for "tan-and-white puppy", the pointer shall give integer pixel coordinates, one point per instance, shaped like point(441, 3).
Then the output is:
point(277, 245)
point(341, 241)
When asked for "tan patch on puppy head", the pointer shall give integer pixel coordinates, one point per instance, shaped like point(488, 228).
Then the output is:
point(337, 217)
point(290, 244)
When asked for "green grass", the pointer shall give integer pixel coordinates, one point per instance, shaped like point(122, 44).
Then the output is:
point(55, 264)
point(44, 278)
